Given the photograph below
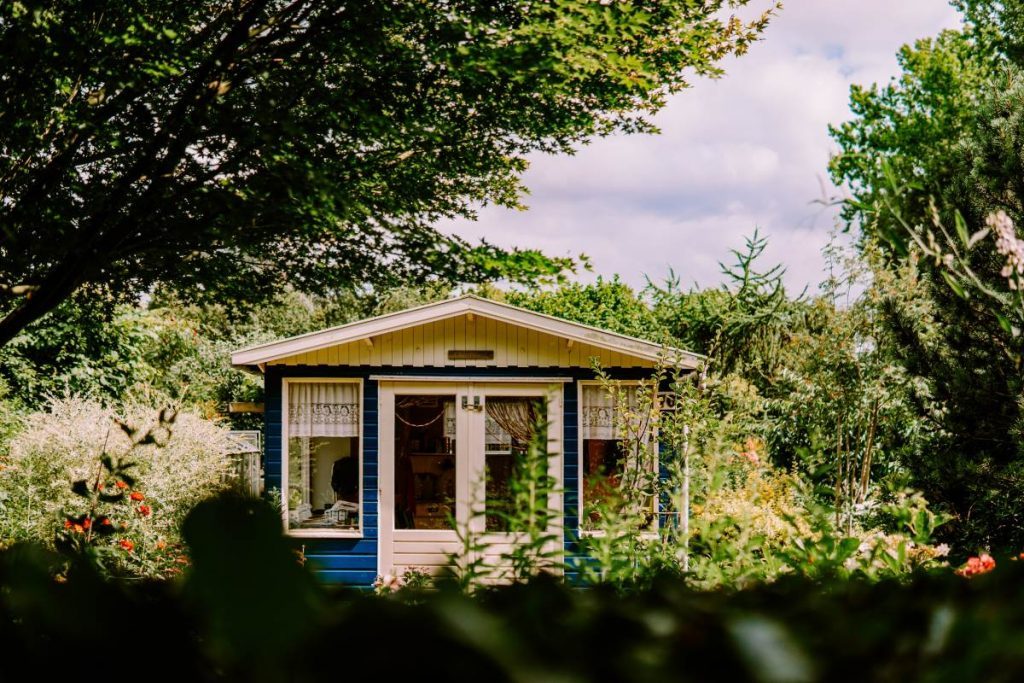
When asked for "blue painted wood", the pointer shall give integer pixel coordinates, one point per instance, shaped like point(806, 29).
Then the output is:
point(353, 562)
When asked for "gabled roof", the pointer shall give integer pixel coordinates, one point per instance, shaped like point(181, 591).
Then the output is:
point(257, 356)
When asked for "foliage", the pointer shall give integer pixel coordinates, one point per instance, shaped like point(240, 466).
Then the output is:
point(607, 304)
point(929, 158)
point(727, 515)
point(79, 440)
point(91, 345)
point(231, 148)
point(220, 622)
point(740, 326)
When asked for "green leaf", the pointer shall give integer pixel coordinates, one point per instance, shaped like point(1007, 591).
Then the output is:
point(961, 228)
point(1004, 322)
point(954, 284)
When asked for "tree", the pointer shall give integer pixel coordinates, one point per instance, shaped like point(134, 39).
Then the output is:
point(608, 304)
point(235, 146)
point(740, 325)
point(938, 148)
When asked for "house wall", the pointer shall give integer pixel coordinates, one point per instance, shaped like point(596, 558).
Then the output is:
point(427, 345)
point(354, 561)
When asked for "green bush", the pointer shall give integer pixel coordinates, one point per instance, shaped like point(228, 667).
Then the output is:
point(248, 610)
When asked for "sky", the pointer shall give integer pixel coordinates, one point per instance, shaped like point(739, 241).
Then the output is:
point(749, 150)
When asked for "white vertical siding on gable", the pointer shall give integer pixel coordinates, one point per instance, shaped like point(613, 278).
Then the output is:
point(428, 346)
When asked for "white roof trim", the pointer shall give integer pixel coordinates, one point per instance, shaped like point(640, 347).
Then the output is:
point(469, 303)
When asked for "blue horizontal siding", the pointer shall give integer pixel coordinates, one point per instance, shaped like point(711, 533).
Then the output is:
point(347, 577)
point(353, 562)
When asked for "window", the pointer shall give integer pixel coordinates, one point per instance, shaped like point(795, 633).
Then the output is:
point(509, 424)
point(619, 451)
point(323, 459)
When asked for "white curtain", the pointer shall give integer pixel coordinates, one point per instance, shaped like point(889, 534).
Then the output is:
point(601, 411)
point(323, 409)
point(449, 419)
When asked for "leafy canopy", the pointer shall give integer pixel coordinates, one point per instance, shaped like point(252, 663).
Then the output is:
point(232, 146)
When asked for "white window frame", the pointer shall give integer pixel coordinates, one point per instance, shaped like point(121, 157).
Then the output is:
point(320, 533)
point(656, 527)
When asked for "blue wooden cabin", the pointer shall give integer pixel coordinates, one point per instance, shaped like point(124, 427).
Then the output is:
point(379, 432)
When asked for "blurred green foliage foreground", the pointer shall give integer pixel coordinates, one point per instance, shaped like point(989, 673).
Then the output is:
point(248, 610)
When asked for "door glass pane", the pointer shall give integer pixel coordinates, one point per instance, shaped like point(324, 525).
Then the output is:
point(425, 462)
point(509, 425)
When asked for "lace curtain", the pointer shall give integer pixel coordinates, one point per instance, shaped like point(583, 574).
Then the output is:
point(601, 411)
point(323, 409)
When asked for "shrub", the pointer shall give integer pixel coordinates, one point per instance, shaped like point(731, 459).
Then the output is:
point(173, 471)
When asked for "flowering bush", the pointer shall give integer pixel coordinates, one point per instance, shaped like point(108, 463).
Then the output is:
point(412, 579)
point(124, 482)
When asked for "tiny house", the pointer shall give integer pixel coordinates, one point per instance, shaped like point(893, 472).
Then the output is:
point(383, 433)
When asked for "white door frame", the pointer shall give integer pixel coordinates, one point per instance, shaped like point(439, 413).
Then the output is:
point(469, 454)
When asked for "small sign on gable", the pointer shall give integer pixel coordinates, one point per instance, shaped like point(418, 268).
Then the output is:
point(471, 354)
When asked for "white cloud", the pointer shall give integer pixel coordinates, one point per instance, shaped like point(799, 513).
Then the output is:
point(748, 150)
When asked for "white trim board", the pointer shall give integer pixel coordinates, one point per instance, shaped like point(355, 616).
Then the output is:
point(258, 356)
point(487, 379)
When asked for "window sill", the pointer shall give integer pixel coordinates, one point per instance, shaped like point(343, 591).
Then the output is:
point(324, 533)
point(595, 533)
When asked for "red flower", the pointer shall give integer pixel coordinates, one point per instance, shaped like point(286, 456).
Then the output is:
point(136, 496)
point(126, 544)
point(105, 521)
point(977, 565)
point(144, 510)
point(86, 523)
point(121, 485)
point(67, 523)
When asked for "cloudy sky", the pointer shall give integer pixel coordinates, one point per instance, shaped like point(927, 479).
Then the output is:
point(748, 150)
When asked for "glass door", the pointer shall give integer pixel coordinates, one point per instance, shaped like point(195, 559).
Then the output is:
point(451, 458)
point(426, 461)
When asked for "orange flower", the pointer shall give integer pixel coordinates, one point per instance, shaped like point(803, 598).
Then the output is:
point(144, 510)
point(67, 523)
point(160, 545)
point(126, 544)
point(121, 485)
point(136, 496)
